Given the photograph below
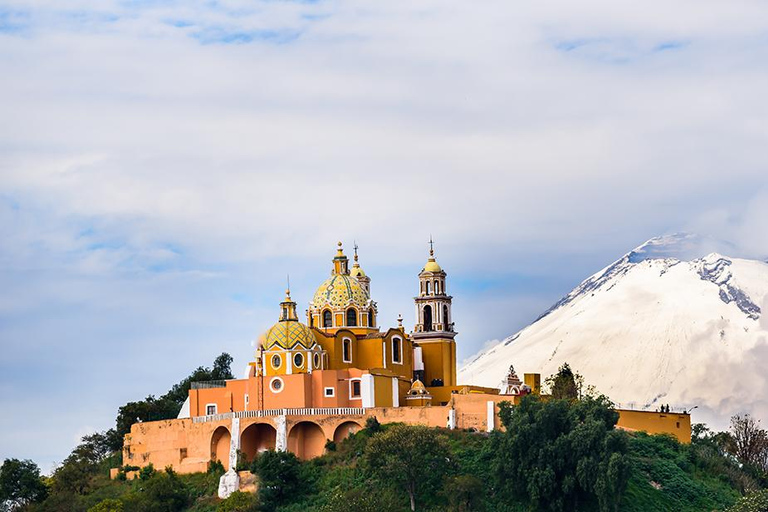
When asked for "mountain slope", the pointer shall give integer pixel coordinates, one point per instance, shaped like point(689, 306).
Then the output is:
point(651, 329)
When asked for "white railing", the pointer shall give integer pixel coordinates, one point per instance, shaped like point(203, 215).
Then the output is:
point(309, 411)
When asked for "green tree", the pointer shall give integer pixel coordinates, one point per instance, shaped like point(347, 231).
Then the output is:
point(279, 478)
point(77, 471)
point(169, 405)
point(464, 492)
point(20, 483)
point(162, 492)
point(561, 453)
point(565, 383)
point(411, 458)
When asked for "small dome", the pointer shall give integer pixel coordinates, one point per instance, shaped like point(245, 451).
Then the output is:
point(288, 334)
point(356, 271)
point(432, 266)
point(339, 291)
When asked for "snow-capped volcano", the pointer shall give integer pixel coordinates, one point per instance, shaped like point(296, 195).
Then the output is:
point(656, 327)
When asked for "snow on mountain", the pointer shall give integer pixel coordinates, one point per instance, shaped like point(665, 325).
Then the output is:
point(656, 327)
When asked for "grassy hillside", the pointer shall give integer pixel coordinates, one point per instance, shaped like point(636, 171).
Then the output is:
point(374, 469)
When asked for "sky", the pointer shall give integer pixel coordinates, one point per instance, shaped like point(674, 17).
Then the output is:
point(164, 165)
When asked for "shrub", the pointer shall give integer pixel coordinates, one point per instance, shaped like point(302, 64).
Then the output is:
point(239, 502)
point(108, 505)
point(279, 478)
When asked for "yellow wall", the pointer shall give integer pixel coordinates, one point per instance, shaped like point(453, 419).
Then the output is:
point(439, 361)
point(678, 425)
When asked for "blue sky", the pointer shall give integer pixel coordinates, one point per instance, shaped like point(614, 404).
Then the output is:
point(165, 164)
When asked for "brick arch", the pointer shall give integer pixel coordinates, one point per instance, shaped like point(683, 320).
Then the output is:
point(344, 429)
point(257, 437)
point(220, 441)
point(307, 440)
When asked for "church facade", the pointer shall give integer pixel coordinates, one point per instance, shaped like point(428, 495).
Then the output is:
point(319, 380)
point(340, 357)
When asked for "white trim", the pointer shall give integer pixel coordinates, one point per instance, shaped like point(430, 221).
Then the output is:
point(384, 353)
point(400, 342)
point(367, 391)
point(342, 350)
point(491, 419)
point(331, 389)
point(282, 385)
point(215, 409)
point(395, 392)
point(452, 419)
point(288, 363)
point(272, 361)
point(351, 396)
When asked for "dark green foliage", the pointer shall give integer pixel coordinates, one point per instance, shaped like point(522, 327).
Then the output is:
point(464, 492)
point(372, 424)
point(413, 458)
point(239, 502)
point(279, 478)
point(565, 384)
point(20, 483)
point(561, 454)
point(162, 492)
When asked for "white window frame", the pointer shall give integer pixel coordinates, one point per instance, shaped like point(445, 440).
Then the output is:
point(282, 385)
point(272, 361)
point(298, 354)
point(398, 340)
point(332, 392)
point(351, 396)
point(342, 350)
point(316, 360)
point(215, 409)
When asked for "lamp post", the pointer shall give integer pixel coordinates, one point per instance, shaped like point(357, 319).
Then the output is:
point(692, 408)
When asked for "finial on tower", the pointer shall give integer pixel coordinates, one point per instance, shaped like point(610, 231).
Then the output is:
point(288, 287)
point(431, 248)
point(400, 321)
point(355, 246)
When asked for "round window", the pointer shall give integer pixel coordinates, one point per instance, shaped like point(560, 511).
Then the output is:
point(316, 360)
point(298, 360)
point(276, 385)
point(276, 361)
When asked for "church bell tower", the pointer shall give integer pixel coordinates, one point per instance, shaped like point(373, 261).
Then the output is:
point(434, 325)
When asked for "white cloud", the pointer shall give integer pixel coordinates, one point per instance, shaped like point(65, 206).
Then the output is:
point(149, 172)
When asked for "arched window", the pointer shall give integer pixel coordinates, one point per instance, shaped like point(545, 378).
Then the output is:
point(427, 287)
point(427, 318)
point(446, 320)
point(437, 287)
point(371, 318)
point(397, 350)
point(327, 319)
point(346, 350)
point(351, 317)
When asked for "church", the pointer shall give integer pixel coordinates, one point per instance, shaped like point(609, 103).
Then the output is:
point(319, 380)
point(340, 357)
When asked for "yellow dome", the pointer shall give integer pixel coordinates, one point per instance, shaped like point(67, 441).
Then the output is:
point(339, 291)
point(287, 334)
point(356, 271)
point(432, 266)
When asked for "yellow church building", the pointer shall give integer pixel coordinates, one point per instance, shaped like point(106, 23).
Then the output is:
point(319, 380)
